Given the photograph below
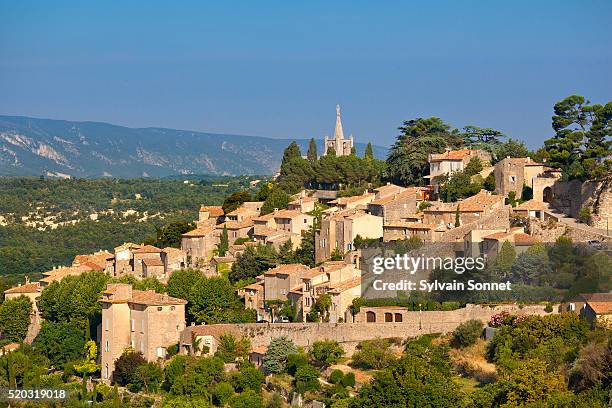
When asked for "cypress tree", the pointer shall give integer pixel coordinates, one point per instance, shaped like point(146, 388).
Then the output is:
point(312, 151)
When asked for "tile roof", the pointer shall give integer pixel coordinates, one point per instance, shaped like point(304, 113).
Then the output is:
point(60, 273)
point(255, 286)
point(526, 161)
point(346, 285)
point(600, 307)
point(286, 269)
point(410, 225)
point(533, 205)
point(452, 155)
point(26, 288)
point(145, 297)
point(126, 245)
point(199, 232)
point(265, 217)
point(259, 350)
point(153, 262)
point(287, 213)
point(328, 266)
point(147, 249)
point(231, 225)
point(172, 250)
point(352, 199)
point(390, 198)
point(597, 297)
point(213, 210)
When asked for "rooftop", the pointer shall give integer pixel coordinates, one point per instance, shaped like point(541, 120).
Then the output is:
point(26, 288)
point(147, 249)
point(213, 210)
point(286, 269)
point(199, 232)
point(452, 155)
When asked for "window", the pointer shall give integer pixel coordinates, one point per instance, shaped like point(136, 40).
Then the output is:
point(142, 326)
point(106, 324)
point(305, 221)
point(572, 307)
point(161, 352)
point(106, 371)
point(132, 325)
point(172, 308)
point(512, 179)
point(107, 346)
point(142, 346)
point(159, 308)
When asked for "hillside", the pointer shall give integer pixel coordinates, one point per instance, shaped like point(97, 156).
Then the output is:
point(30, 146)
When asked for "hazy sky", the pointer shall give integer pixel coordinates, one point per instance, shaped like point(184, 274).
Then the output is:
point(279, 68)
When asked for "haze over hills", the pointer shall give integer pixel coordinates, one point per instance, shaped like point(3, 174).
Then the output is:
point(32, 146)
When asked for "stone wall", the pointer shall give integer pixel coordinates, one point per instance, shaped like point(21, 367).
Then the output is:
point(350, 334)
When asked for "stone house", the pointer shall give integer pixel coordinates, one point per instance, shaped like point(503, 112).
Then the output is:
point(199, 244)
point(148, 252)
point(531, 209)
point(346, 203)
point(123, 259)
point(492, 244)
point(338, 231)
point(236, 229)
point(470, 209)
point(303, 203)
point(31, 290)
point(173, 259)
point(451, 161)
point(210, 215)
point(340, 280)
point(153, 268)
point(395, 207)
point(246, 211)
point(597, 310)
point(396, 230)
point(511, 174)
point(146, 321)
point(57, 274)
point(292, 221)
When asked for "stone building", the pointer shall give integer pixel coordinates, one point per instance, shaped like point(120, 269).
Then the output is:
point(512, 174)
point(210, 215)
point(395, 207)
point(450, 161)
point(303, 203)
point(342, 146)
point(199, 244)
point(470, 209)
point(139, 255)
point(146, 321)
point(31, 290)
point(339, 230)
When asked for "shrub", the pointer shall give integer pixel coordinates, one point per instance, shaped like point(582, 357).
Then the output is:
point(348, 380)
point(307, 379)
point(336, 376)
point(126, 365)
point(467, 333)
point(374, 354)
point(275, 359)
point(326, 352)
point(222, 393)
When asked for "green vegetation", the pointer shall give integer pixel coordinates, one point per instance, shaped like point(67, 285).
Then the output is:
point(15, 318)
point(467, 333)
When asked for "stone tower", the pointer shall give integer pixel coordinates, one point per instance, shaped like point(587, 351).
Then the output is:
point(341, 145)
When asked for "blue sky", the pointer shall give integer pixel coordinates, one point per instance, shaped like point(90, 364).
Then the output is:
point(278, 68)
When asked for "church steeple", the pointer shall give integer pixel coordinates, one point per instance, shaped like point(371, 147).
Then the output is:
point(338, 133)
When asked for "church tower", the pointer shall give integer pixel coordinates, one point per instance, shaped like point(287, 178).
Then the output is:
point(341, 146)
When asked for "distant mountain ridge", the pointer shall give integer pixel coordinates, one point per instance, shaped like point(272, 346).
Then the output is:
point(31, 146)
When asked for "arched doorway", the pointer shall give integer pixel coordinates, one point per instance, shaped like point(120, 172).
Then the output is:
point(547, 195)
point(370, 317)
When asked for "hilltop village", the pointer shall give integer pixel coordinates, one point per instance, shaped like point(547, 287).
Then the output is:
point(294, 258)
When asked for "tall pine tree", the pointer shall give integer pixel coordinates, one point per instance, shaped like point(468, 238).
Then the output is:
point(312, 151)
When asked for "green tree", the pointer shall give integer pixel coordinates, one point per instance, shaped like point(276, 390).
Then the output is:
point(473, 167)
point(248, 399)
point(307, 378)
point(530, 383)
point(467, 333)
point(369, 152)
point(291, 152)
point(170, 234)
point(235, 200)
point(15, 318)
point(126, 365)
point(489, 182)
point(305, 254)
point(229, 348)
point(278, 199)
point(223, 245)
point(181, 282)
point(222, 393)
point(253, 262)
point(61, 342)
point(312, 151)
point(213, 300)
point(511, 148)
point(373, 354)
point(248, 378)
point(407, 162)
point(326, 352)
point(457, 217)
point(502, 266)
point(275, 359)
point(147, 377)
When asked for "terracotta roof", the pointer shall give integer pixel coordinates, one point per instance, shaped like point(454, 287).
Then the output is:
point(287, 213)
point(526, 161)
point(346, 285)
point(98, 259)
point(231, 225)
point(533, 205)
point(476, 203)
point(26, 288)
point(153, 262)
point(126, 245)
point(9, 347)
point(306, 199)
point(213, 210)
point(259, 350)
point(172, 250)
point(452, 155)
point(199, 232)
point(147, 249)
point(60, 273)
point(254, 286)
point(328, 266)
point(265, 217)
point(390, 198)
point(523, 238)
point(601, 307)
point(351, 199)
point(147, 297)
point(286, 269)
point(597, 297)
point(410, 225)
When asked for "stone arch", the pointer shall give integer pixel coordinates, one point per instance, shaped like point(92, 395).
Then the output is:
point(370, 317)
point(547, 195)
